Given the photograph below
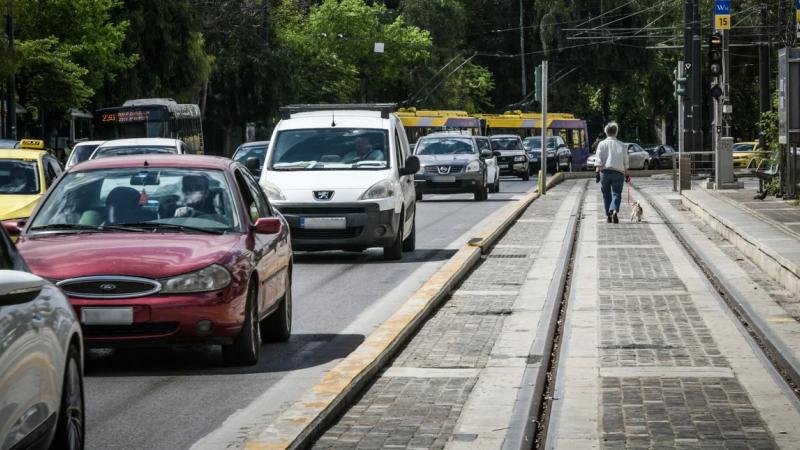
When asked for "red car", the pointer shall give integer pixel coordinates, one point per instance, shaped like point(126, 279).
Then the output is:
point(159, 249)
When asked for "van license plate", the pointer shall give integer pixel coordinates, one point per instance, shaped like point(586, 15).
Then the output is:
point(323, 223)
point(444, 179)
point(503, 166)
point(107, 316)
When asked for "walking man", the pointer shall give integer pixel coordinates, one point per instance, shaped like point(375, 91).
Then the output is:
point(613, 171)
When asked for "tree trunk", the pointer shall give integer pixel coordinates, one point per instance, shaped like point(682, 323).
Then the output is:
point(605, 100)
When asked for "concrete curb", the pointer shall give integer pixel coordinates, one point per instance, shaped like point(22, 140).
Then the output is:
point(770, 261)
point(304, 421)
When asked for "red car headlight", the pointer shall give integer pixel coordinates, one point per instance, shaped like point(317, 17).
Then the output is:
point(211, 278)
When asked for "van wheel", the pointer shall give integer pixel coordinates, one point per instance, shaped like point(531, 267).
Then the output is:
point(245, 347)
point(277, 327)
point(410, 243)
point(497, 185)
point(394, 252)
point(70, 430)
point(526, 177)
point(482, 193)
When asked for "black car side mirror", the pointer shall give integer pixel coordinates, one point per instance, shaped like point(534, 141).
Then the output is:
point(486, 154)
point(496, 153)
point(412, 166)
point(253, 165)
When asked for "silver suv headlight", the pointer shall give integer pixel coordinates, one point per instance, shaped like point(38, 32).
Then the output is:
point(381, 189)
point(519, 158)
point(473, 166)
point(211, 278)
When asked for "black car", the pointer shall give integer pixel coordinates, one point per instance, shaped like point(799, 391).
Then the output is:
point(512, 159)
point(660, 156)
point(250, 153)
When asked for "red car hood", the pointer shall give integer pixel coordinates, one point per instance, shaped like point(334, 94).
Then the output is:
point(149, 255)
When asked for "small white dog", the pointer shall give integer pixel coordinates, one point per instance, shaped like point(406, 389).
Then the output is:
point(636, 212)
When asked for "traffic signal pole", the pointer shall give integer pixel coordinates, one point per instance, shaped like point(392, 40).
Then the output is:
point(11, 91)
point(543, 159)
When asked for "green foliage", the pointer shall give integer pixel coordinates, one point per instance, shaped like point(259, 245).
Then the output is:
point(48, 76)
point(330, 51)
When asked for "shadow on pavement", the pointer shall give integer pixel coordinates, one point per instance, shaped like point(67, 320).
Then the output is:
point(300, 352)
point(371, 256)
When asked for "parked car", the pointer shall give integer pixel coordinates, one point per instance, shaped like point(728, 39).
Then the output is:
point(746, 152)
point(660, 157)
point(637, 156)
point(25, 176)
point(344, 178)
point(252, 155)
point(9, 143)
point(140, 146)
point(171, 250)
point(81, 152)
point(559, 156)
point(512, 159)
point(41, 360)
point(453, 163)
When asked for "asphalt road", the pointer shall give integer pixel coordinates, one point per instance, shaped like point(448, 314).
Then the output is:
point(177, 398)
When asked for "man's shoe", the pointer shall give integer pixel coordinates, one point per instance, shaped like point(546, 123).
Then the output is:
point(608, 218)
point(614, 217)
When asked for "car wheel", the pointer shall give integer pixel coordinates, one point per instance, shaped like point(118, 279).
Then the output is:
point(419, 196)
point(410, 243)
point(526, 177)
point(244, 350)
point(394, 252)
point(497, 184)
point(277, 327)
point(71, 427)
point(569, 167)
point(482, 193)
point(654, 165)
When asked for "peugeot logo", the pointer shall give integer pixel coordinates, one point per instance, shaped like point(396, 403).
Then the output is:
point(108, 287)
point(443, 170)
point(323, 195)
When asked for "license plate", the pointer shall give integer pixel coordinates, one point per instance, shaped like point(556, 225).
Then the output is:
point(107, 316)
point(323, 223)
point(503, 166)
point(444, 179)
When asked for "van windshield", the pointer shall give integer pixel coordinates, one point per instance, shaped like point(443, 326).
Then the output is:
point(331, 149)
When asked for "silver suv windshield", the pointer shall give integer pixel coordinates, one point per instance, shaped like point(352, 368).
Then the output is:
point(331, 149)
point(445, 146)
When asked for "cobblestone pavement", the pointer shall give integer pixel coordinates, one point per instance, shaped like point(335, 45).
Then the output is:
point(418, 400)
point(647, 343)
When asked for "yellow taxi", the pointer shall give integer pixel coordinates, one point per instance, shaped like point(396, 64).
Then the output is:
point(744, 152)
point(25, 174)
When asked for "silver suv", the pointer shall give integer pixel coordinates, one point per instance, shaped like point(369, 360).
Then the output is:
point(41, 360)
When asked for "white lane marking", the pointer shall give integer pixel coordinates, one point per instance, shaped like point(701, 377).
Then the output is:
point(236, 429)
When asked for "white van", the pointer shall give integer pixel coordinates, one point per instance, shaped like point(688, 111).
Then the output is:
point(140, 146)
point(343, 176)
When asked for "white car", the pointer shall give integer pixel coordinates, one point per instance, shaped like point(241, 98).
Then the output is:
point(637, 157)
point(140, 146)
point(343, 176)
point(41, 360)
point(81, 152)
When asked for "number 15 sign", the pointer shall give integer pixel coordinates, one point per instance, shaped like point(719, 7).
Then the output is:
point(722, 14)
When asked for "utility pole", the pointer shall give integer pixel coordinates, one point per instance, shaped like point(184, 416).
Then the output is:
point(696, 82)
point(522, 48)
point(11, 90)
point(687, 58)
point(543, 159)
point(764, 100)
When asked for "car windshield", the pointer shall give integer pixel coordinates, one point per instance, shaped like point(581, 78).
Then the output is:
point(139, 198)
point(505, 144)
point(105, 152)
point(743, 147)
point(535, 143)
point(18, 177)
point(445, 146)
point(251, 151)
point(331, 149)
point(81, 153)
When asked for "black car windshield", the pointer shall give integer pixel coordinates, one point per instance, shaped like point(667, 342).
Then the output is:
point(140, 198)
point(251, 151)
point(505, 144)
point(445, 146)
point(743, 147)
point(18, 177)
point(331, 149)
point(535, 143)
point(105, 152)
point(80, 154)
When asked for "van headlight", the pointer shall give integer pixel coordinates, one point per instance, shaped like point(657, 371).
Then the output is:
point(211, 278)
point(473, 166)
point(273, 192)
point(520, 158)
point(381, 189)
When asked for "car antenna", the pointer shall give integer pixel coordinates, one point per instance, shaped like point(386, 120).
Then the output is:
point(333, 118)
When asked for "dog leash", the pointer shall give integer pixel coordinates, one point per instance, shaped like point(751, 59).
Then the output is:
point(628, 188)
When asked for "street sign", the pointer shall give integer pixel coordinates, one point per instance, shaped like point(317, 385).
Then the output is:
point(687, 66)
point(722, 14)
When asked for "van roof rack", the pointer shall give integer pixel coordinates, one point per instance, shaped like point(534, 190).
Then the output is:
point(384, 108)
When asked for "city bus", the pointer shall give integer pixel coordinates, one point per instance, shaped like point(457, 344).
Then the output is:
point(152, 117)
point(572, 129)
point(419, 123)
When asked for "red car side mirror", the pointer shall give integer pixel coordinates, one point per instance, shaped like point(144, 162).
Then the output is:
point(268, 225)
point(14, 227)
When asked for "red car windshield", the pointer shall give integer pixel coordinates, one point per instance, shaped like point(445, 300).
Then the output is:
point(141, 198)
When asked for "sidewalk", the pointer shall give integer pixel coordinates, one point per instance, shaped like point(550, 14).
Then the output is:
point(651, 357)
